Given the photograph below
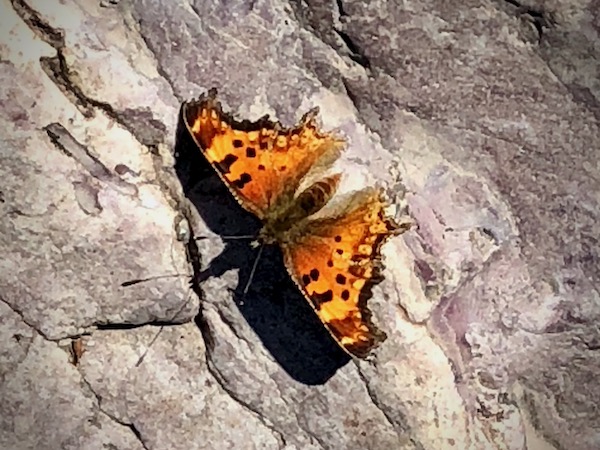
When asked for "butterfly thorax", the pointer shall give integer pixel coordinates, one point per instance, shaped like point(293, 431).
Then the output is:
point(285, 221)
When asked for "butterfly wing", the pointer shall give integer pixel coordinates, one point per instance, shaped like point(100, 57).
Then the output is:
point(261, 162)
point(335, 262)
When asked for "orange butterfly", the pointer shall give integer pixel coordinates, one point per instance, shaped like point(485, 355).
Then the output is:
point(332, 259)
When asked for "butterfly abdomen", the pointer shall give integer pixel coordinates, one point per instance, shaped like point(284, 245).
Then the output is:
point(317, 195)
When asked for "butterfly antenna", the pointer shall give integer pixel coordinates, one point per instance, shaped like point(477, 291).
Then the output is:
point(254, 266)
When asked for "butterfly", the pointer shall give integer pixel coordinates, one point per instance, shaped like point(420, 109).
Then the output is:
point(275, 173)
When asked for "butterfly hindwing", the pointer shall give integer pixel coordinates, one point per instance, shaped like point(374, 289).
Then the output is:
point(336, 261)
point(261, 162)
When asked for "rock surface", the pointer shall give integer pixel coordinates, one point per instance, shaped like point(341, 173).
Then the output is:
point(484, 115)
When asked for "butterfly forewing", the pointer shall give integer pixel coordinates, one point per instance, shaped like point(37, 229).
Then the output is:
point(261, 162)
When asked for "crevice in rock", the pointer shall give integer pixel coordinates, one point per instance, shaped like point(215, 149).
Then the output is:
point(194, 258)
point(593, 346)
point(17, 212)
point(58, 70)
point(55, 38)
point(340, 7)
point(229, 324)
point(400, 431)
point(118, 326)
point(67, 144)
point(208, 338)
point(354, 52)
point(108, 3)
point(355, 99)
point(137, 434)
point(245, 405)
point(159, 68)
point(19, 313)
point(294, 410)
point(540, 19)
point(206, 332)
point(26, 342)
point(130, 426)
point(55, 68)
point(132, 326)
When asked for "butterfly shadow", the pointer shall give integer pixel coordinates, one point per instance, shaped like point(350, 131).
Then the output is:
point(273, 306)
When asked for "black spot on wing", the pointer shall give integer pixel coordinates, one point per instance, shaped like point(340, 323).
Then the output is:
point(306, 279)
point(224, 166)
point(242, 181)
point(237, 143)
point(357, 271)
point(340, 279)
point(345, 294)
point(320, 298)
point(314, 274)
point(250, 152)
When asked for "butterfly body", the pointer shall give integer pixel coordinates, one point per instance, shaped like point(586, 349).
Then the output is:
point(334, 259)
point(286, 224)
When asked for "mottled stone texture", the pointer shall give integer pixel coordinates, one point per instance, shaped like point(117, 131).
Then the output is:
point(481, 118)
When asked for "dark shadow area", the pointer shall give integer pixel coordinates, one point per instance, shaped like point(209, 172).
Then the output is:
point(274, 307)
